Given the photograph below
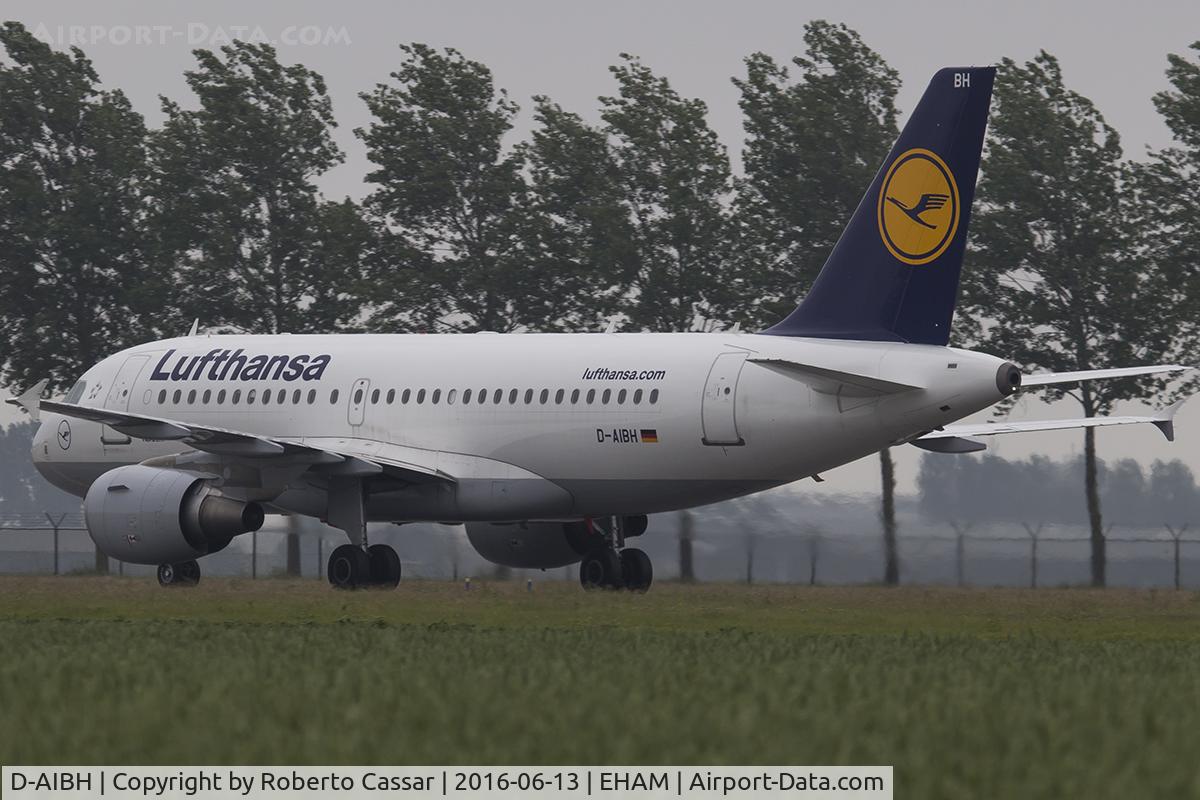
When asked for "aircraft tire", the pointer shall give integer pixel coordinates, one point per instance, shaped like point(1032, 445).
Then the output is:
point(385, 566)
point(600, 569)
point(349, 567)
point(636, 569)
point(172, 576)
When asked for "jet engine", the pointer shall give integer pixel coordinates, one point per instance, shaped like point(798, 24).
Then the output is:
point(151, 515)
point(540, 545)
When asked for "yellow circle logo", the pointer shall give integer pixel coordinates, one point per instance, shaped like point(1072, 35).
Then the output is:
point(918, 207)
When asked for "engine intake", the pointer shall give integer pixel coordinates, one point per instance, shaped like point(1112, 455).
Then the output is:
point(151, 515)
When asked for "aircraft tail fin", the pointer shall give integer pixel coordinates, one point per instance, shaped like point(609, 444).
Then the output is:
point(893, 274)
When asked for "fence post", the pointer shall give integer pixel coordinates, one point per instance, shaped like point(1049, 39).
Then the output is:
point(320, 558)
point(814, 549)
point(254, 554)
point(55, 524)
point(1033, 548)
point(1176, 536)
point(960, 535)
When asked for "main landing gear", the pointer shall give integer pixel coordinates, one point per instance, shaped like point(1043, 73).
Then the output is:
point(186, 573)
point(357, 565)
point(611, 565)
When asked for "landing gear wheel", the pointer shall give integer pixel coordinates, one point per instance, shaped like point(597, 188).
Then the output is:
point(186, 573)
point(385, 566)
point(600, 569)
point(636, 569)
point(349, 567)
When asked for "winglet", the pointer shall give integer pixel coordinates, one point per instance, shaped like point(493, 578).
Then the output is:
point(29, 401)
point(1166, 421)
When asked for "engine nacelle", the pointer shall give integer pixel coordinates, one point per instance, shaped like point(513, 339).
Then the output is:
point(150, 515)
point(530, 545)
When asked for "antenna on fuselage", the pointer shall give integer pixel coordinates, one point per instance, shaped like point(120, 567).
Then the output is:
point(195, 327)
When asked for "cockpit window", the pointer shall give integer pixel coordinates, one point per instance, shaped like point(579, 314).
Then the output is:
point(76, 392)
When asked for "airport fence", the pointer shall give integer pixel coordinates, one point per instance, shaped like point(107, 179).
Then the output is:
point(963, 554)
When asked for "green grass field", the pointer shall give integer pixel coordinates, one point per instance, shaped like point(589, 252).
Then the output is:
point(969, 693)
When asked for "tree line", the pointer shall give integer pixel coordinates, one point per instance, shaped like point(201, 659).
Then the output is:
point(113, 232)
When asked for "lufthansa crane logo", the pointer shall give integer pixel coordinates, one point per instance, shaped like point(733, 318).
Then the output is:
point(918, 207)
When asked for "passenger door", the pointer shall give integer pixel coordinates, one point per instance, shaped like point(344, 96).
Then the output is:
point(719, 406)
point(119, 396)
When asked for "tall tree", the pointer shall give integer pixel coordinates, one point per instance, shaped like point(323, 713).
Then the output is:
point(576, 228)
point(1054, 258)
point(72, 164)
point(1168, 202)
point(241, 226)
point(814, 141)
point(815, 137)
point(676, 182)
point(449, 190)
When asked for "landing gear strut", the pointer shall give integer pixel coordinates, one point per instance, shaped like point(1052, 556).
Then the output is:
point(357, 565)
point(611, 565)
point(186, 573)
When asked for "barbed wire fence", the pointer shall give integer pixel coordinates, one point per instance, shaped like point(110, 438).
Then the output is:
point(961, 553)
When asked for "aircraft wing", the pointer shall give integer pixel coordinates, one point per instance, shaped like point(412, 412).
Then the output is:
point(961, 438)
point(1053, 378)
point(327, 457)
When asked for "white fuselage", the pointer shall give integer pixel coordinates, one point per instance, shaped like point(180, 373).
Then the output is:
point(528, 426)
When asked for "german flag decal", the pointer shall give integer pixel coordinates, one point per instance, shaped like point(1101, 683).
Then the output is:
point(649, 435)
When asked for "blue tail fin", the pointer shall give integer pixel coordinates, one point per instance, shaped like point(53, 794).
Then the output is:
point(893, 275)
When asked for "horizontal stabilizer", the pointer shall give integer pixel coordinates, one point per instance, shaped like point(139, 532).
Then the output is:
point(833, 381)
point(1163, 420)
point(1055, 378)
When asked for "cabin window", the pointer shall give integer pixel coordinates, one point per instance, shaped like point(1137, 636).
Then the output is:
point(358, 395)
point(558, 397)
point(528, 396)
point(333, 396)
point(250, 397)
point(266, 396)
point(498, 396)
point(282, 396)
point(482, 396)
point(391, 396)
point(512, 397)
point(162, 397)
point(637, 396)
point(451, 396)
point(404, 397)
point(437, 395)
point(191, 397)
point(375, 397)
point(420, 396)
point(221, 397)
point(621, 396)
point(207, 396)
point(237, 396)
point(296, 397)
point(176, 397)
point(607, 396)
point(591, 396)
point(312, 396)
point(574, 396)
point(653, 396)
point(466, 397)
point(544, 396)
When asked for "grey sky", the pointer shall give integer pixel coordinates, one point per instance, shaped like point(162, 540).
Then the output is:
point(1112, 51)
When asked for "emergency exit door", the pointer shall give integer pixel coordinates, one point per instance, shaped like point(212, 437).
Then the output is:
point(719, 407)
point(358, 401)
